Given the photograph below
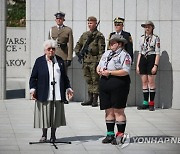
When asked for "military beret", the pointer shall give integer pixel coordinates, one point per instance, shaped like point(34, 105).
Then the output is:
point(118, 38)
point(92, 18)
point(148, 23)
point(119, 20)
point(59, 15)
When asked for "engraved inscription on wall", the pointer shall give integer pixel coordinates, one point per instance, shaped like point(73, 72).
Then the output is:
point(16, 53)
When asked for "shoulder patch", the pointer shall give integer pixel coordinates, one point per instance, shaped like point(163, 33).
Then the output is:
point(130, 39)
point(158, 45)
point(155, 35)
point(127, 61)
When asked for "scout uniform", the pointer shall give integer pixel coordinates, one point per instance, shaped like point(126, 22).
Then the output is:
point(114, 90)
point(149, 48)
point(90, 61)
point(115, 60)
point(129, 46)
point(64, 37)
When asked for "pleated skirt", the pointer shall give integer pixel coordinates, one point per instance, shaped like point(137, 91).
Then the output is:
point(49, 114)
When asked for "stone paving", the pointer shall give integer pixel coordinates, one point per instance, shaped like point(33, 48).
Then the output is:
point(85, 129)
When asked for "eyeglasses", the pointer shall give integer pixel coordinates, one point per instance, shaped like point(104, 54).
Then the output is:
point(118, 24)
point(49, 49)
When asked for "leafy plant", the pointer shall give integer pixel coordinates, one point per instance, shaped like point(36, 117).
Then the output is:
point(16, 13)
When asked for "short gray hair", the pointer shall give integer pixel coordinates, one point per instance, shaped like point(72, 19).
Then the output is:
point(51, 43)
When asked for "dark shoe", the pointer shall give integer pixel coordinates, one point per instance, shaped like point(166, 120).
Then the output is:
point(89, 101)
point(143, 107)
point(118, 140)
point(43, 139)
point(52, 139)
point(66, 102)
point(86, 103)
point(151, 108)
point(94, 104)
point(108, 139)
point(95, 99)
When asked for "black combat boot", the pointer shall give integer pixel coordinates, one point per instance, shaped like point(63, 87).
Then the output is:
point(95, 99)
point(89, 101)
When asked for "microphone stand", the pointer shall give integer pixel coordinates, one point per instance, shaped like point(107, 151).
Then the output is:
point(53, 92)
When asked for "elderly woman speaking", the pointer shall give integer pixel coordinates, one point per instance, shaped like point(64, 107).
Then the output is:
point(48, 86)
point(114, 68)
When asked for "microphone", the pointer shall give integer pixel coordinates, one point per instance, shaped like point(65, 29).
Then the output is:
point(52, 59)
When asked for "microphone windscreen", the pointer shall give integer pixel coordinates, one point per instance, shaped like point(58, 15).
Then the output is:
point(52, 59)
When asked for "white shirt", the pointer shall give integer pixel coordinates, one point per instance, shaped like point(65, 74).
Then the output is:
point(119, 32)
point(57, 76)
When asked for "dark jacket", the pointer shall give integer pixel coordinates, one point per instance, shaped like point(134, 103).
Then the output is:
point(39, 79)
point(129, 46)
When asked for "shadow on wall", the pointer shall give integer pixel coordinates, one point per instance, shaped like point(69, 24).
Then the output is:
point(166, 81)
point(138, 86)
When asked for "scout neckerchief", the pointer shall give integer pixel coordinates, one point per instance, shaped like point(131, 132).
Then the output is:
point(111, 55)
point(147, 42)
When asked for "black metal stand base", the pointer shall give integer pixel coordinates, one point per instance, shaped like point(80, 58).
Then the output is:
point(53, 143)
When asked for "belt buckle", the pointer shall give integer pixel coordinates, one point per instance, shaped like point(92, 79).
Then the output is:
point(59, 45)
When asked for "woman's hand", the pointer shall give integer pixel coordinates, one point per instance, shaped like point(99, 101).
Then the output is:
point(33, 95)
point(137, 70)
point(99, 71)
point(154, 70)
point(70, 93)
point(105, 73)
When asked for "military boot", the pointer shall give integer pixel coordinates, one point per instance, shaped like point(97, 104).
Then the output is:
point(89, 101)
point(95, 99)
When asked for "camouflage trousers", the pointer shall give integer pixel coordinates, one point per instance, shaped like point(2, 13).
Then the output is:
point(91, 77)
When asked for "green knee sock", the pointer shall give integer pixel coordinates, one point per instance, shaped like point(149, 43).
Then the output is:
point(145, 102)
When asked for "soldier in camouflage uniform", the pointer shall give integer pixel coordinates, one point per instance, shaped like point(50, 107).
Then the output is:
point(91, 59)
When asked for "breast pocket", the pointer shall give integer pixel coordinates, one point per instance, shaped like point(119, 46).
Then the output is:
point(117, 63)
point(152, 45)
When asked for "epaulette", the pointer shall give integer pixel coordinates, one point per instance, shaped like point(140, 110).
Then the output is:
point(111, 34)
point(155, 35)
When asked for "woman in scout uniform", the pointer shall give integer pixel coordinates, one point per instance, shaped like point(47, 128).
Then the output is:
point(114, 68)
point(147, 64)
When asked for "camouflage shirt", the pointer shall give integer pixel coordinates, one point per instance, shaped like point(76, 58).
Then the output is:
point(96, 47)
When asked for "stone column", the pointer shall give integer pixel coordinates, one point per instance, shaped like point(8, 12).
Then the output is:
point(2, 51)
